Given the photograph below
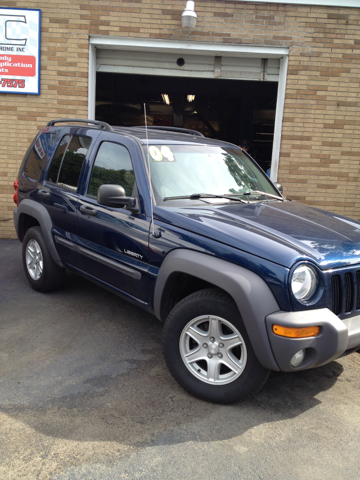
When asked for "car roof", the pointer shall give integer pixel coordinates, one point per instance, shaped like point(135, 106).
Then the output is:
point(168, 136)
point(152, 135)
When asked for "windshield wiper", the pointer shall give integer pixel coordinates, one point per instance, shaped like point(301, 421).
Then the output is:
point(251, 192)
point(197, 196)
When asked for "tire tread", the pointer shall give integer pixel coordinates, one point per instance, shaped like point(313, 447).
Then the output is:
point(221, 394)
point(53, 276)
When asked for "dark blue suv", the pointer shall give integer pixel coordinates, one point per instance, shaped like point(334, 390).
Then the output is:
point(193, 231)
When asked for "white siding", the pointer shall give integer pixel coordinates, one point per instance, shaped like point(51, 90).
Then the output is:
point(200, 66)
point(325, 3)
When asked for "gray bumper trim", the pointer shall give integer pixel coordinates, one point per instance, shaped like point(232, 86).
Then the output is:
point(336, 336)
point(353, 326)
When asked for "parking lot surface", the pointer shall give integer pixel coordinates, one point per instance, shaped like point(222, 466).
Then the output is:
point(85, 394)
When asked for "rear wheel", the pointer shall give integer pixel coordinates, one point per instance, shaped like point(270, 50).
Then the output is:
point(208, 351)
point(40, 269)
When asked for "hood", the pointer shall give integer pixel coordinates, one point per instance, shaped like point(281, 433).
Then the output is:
point(281, 232)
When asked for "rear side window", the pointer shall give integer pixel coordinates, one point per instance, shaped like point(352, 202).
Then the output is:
point(112, 166)
point(69, 157)
point(37, 155)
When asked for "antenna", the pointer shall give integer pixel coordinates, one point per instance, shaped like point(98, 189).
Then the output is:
point(149, 177)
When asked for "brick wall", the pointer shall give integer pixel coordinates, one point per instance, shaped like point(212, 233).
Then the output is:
point(319, 158)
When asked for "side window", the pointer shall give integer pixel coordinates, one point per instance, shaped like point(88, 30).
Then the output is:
point(69, 157)
point(56, 161)
point(37, 155)
point(112, 166)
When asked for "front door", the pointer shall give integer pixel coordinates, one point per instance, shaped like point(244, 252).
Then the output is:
point(114, 241)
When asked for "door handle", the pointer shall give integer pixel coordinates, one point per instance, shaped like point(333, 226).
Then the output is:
point(60, 207)
point(44, 193)
point(88, 210)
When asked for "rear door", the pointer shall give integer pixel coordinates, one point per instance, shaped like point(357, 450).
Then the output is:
point(114, 241)
point(58, 191)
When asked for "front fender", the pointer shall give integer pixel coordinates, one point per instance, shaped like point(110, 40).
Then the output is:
point(251, 294)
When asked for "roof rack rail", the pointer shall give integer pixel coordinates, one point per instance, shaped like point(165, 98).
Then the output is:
point(189, 131)
point(104, 125)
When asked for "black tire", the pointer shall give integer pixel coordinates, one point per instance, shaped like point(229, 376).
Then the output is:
point(40, 269)
point(209, 378)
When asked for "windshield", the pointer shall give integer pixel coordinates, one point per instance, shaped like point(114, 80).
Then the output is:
point(183, 170)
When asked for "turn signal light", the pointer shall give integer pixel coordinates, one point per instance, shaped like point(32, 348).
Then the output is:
point(296, 332)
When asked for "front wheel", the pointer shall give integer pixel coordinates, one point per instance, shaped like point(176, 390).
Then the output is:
point(208, 351)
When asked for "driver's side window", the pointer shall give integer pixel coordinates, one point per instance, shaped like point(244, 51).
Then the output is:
point(112, 166)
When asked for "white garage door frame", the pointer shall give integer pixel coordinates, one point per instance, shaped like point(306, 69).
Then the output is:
point(196, 48)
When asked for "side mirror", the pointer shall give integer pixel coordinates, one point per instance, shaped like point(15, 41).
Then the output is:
point(279, 187)
point(114, 196)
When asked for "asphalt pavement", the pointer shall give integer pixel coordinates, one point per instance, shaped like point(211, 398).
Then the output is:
point(85, 394)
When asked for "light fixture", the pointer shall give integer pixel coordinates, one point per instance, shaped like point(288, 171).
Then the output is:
point(297, 359)
point(191, 98)
point(165, 98)
point(188, 17)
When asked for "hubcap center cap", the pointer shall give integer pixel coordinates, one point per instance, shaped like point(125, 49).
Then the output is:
point(213, 348)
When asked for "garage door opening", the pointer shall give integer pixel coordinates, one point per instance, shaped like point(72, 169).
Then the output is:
point(230, 110)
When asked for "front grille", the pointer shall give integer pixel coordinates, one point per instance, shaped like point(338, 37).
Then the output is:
point(345, 292)
point(336, 294)
point(349, 292)
point(358, 290)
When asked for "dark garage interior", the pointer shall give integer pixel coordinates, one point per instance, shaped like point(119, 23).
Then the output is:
point(230, 110)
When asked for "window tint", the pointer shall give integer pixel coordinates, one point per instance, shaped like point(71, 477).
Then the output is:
point(37, 155)
point(68, 160)
point(56, 162)
point(112, 166)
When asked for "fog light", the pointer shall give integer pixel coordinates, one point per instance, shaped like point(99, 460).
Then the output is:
point(298, 358)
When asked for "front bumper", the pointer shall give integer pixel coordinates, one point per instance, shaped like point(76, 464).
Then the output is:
point(336, 337)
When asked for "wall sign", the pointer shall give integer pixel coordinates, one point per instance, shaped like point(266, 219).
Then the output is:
point(20, 51)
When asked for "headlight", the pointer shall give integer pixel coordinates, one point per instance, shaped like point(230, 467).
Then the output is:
point(303, 283)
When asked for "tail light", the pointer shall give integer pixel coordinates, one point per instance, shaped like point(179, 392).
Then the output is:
point(16, 188)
